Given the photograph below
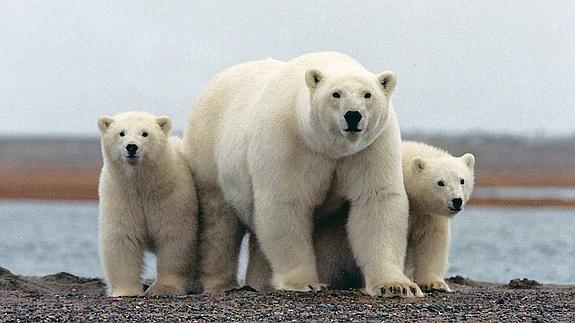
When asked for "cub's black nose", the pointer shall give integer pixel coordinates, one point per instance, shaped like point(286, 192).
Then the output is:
point(131, 148)
point(457, 203)
point(352, 118)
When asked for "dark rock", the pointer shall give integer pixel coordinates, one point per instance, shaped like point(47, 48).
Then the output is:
point(433, 308)
point(523, 283)
point(245, 288)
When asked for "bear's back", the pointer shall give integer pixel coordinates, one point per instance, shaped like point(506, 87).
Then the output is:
point(332, 63)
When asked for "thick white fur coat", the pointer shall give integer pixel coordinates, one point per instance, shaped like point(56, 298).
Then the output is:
point(267, 142)
point(146, 203)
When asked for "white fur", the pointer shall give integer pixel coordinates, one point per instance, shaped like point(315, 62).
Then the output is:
point(266, 142)
point(146, 203)
point(431, 208)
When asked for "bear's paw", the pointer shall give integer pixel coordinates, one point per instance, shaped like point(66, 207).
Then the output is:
point(434, 285)
point(160, 290)
point(127, 292)
point(302, 286)
point(394, 289)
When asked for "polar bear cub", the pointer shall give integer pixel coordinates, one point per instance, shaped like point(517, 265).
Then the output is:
point(269, 141)
point(147, 202)
point(438, 186)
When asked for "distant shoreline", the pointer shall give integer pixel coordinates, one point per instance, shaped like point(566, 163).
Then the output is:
point(70, 183)
point(67, 167)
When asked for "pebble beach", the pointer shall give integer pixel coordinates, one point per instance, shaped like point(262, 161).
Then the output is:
point(65, 297)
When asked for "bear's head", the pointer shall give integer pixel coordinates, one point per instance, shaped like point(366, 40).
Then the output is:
point(440, 186)
point(349, 108)
point(134, 137)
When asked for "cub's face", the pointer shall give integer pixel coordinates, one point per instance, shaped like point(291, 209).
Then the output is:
point(132, 138)
point(442, 185)
point(350, 108)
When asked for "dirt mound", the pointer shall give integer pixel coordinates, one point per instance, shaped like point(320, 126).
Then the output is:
point(67, 278)
point(58, 284)
point(5, 272)
point(8, 281)
point(460, 280)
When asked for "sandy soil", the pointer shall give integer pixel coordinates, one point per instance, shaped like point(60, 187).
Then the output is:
point(67, 297)
point(524, 178)
point(49, 183)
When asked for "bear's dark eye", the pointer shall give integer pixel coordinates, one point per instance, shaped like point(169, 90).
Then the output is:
point(144, 134)
point(462, 181)
point(367, 95)
point(335, 95)
point(440, 183)
point(122, 134)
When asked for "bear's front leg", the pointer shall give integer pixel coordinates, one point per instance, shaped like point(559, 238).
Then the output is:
point(284, 231)
point(430, 252)
point(122, 257)
point(377, 230)
point(175, 257)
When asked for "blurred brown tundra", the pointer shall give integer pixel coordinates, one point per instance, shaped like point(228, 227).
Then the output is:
point(68, 168)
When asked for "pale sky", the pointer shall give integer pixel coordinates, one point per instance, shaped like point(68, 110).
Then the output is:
point(497, 66)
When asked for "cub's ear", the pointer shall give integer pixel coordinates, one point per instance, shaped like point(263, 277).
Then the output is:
point(387, 80)
point(165, 124)
point(104, 123)
point(469, 160)
point(312, 78)
point(418, 164)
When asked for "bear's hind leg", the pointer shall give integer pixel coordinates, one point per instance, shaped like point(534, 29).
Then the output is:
point(259, 272)
point(220, 241)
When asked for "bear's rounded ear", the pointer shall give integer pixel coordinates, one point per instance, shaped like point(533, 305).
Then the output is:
point(418, 164)
point(312, 78)
point(104, 123)
point(165, 124)
point(387, 80)
point(469, 160)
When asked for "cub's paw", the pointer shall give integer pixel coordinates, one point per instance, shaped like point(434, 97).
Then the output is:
point(215, 284)
point(159, 290)
point(434, 285)
point(127, 292)
point(302, 287)
point(394, 289)
point(300, 279)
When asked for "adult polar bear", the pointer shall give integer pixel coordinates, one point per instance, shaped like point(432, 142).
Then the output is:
point(268, 141)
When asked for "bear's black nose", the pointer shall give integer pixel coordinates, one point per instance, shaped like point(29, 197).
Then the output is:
point(131, 148)
point(457, 202)
point(352, 118)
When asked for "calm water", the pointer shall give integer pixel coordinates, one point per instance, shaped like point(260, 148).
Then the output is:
point(491, 244)
point(529, 193)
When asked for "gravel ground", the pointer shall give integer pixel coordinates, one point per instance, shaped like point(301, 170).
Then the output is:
point(65, 297)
